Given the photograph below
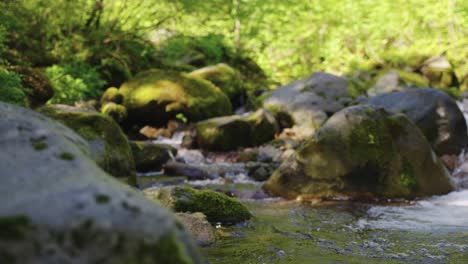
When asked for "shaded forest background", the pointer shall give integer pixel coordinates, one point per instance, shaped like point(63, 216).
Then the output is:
point(85, 46)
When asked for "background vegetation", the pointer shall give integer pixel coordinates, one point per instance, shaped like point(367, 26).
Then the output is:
point(84, 46)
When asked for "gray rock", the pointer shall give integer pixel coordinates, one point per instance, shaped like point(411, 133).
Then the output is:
point(397, 80)
point(361, 151)
point(200, 228)
point(434, 112)
point(59, 207)
point(310, 100)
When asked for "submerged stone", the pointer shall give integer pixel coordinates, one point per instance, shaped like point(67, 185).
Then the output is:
point(363, 150)
point(68, 210)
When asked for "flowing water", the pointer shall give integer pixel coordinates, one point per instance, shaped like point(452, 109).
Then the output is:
point(433, 230)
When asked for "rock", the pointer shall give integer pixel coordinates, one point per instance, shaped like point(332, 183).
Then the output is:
point(117, 112)
point(216, 206)
point(168, 131)
point(192, 172)
point(439, 72)
point(203, 232)
point(59, 207)
point(397, 80)
point(231, 132)
point(363, 150)
point(151, 156)
point(153, 97)
point(224, 77)
point(112, 95)
point(38, 88)
point(260, 171)
point(309, 101)
point(109, 146)
point(434, 112)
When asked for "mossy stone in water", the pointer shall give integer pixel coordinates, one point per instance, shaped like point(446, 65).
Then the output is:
point(111, 95)
point(109, 146)
point(360, 151)
point(216, 206)
point(151, 156)
point(156, 96)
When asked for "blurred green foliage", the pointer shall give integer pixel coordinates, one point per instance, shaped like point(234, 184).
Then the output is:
point(11, 90)
point(86, 45)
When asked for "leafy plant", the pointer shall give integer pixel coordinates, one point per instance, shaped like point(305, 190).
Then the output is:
point(11, 90)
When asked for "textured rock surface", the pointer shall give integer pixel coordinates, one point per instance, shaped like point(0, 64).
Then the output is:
point(61, 208)
point(434, 112)
point(363, 150)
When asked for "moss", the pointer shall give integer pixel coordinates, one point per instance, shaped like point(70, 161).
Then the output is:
point(407, 176)
point(66, 156)
point(156, 96)
point(112, 95)
point(102, 198)
point(413, 79)
point(117, 112)
point(38, 144)
point(169, 250)
point(115, 157)
point(216, 206)
point(224, 77)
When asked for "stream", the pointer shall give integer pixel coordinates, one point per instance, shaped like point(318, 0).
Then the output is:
point(432, 230)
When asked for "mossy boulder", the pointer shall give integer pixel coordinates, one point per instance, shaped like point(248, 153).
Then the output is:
point(203, 232)
point(232, 132)
point(156, 96)
point(397, 80)
point(309, 102)
point(151, 156)
point(37, 86)
point(112, 95)
point(115, 111)
point(360, 151)
point(434, 112)
point(224, 77)
point(217, 207)
point(59, 207)
point(109, 146)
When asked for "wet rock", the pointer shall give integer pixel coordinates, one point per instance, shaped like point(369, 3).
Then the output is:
point(397, 80)
point(61, 208)
point(151, 156)
point(109, 146)
point(154, 97)
point(232, 132)
point(192, 172)
point(309, 101)
point(216, 206)
point(363, 150)
point(434, 112)
point(260, 171)
point(203, 232)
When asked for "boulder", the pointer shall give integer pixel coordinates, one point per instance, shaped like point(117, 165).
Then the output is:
point(397, 80)
point(203, 232)
point(231, 132)
point(153, 97)
point(434, 112)
point(191, 171)
point(109, 146)
point(363, 150)
point(59, 207)
point(309, 101)
point(151, 156)
point(224, 77)
point(217, 207)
